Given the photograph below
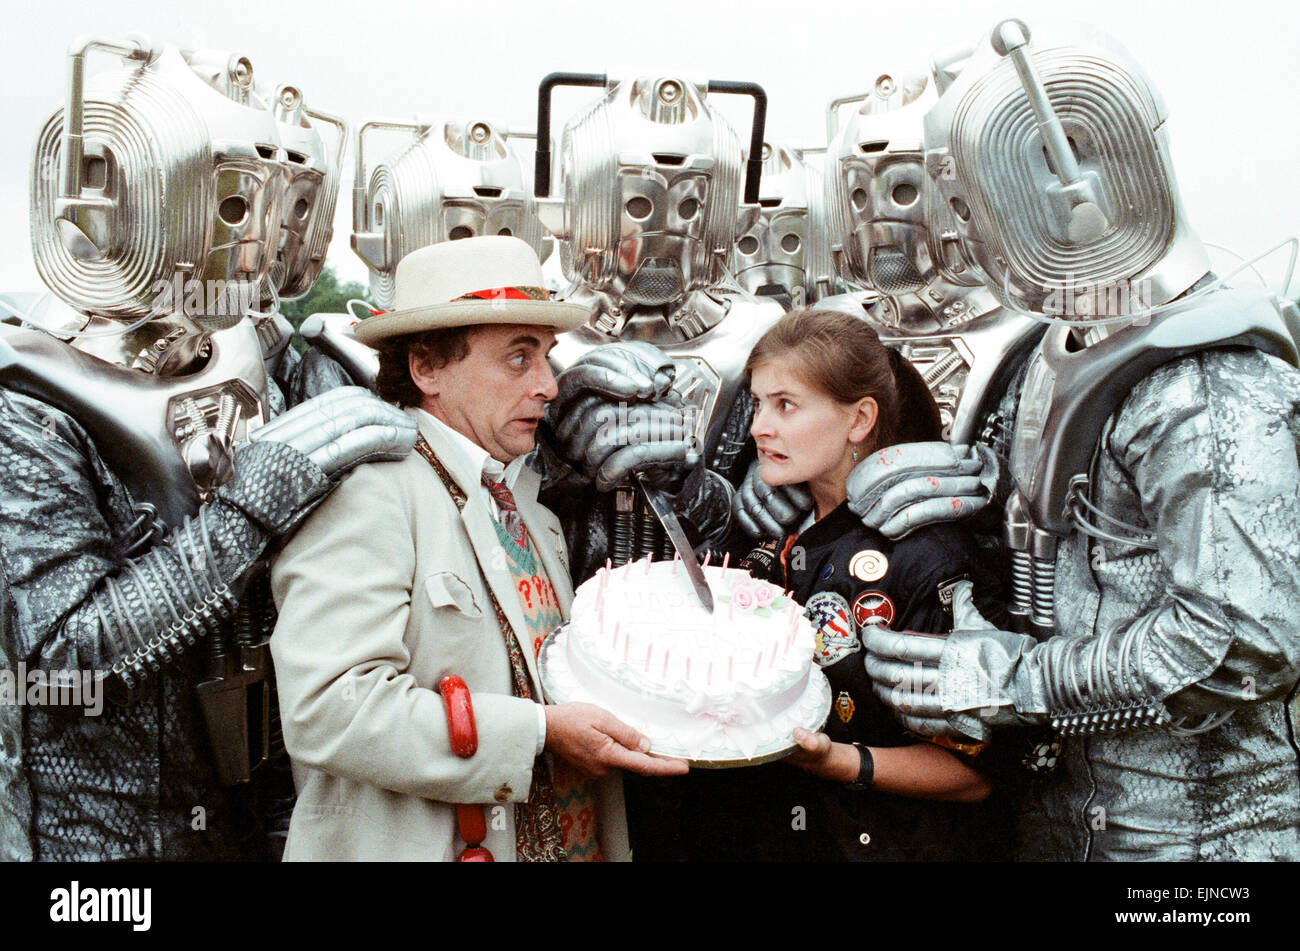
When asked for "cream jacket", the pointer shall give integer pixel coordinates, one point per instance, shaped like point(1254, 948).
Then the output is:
point(381, 593)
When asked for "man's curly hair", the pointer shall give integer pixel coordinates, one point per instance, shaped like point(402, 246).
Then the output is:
point(443, 346)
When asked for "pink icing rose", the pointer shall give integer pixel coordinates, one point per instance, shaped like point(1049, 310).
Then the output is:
point(743, 598)
point(764, 595)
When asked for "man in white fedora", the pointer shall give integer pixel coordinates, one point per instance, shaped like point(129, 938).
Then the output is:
point(442, 565)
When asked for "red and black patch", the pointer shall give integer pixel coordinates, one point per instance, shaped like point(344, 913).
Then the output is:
point(873, 607)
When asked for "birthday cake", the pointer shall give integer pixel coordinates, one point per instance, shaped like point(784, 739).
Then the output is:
point(717, 688)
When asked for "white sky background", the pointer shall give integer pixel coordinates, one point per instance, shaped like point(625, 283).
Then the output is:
point(1228, 71)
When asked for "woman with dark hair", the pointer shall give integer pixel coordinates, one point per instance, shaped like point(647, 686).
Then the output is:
point(827, 395)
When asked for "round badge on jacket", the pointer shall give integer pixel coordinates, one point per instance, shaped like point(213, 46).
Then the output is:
point(873, 607)
point(868, 565)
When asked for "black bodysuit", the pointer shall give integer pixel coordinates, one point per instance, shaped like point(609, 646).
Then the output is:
point(846, 575)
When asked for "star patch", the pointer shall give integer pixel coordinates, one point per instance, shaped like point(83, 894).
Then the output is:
point(868, 565)
point(873, 607)
point(836, 635)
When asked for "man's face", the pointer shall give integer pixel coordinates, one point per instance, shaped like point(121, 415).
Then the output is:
point(496, 395)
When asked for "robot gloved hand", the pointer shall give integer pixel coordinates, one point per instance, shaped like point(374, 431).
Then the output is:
point(616, 413)
point(341, 429)
point(629, 370)
point(769, 511)
point(285, 470)
point(933, 687)
point(902, 488)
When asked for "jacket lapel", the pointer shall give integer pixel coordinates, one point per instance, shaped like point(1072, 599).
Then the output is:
point(491, 557)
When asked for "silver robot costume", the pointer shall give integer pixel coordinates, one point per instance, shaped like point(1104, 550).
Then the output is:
point(1155, 523)
point(783, 251)
point(651, 202)
point(141, 477)
point(893, 233)
point(455, 178)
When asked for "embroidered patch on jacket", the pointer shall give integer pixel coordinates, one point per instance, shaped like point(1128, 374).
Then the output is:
point(837, 637)
point(760, 559)
point(844, 706)
point(873, 607)
point(868, 565)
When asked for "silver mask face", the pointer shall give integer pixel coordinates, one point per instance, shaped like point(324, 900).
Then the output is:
point(458, 179)
point(311, 165)
point(180, 181)
point(651, 192)
point(1053, 155)
point(782, 252)
point(896, 233)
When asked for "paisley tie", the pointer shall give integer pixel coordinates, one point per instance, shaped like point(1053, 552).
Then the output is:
point(509, 512)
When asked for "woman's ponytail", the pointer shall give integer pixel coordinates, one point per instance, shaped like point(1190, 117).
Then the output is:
point(918, 417)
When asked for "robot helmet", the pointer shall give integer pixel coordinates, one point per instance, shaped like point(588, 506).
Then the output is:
point(895, 233)
point(652, 179)
point(782, 251)
point(1054, 159)
point(458, 179)
point(311, 191)
point(167, 171)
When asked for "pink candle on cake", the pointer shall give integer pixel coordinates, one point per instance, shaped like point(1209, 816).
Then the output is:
point(726, 559)
point(676, 558)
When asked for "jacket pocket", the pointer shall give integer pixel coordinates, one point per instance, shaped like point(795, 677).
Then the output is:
point(446, 590)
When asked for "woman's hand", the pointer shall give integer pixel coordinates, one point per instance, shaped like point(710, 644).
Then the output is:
point(819, 755)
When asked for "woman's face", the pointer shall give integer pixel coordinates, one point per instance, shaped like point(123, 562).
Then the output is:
point(803, 434)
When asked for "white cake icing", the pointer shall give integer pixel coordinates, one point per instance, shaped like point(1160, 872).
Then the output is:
point(731, 685)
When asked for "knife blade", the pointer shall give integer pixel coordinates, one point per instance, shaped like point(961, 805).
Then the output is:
point(668, 519)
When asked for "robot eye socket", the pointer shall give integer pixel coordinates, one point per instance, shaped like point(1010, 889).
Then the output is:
point(460, 231)
point(748, 244)
point(688, 209)
point(790, 243)
point(960, 209)
point(301, 209)
point(639, 208)
point(859, 198)
point(505, 231)
point(233, 210)
point(904, 194)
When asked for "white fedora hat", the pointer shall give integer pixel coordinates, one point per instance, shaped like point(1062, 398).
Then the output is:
point(495, 279)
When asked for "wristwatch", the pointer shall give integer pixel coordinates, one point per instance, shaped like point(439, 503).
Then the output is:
point(866, 769)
